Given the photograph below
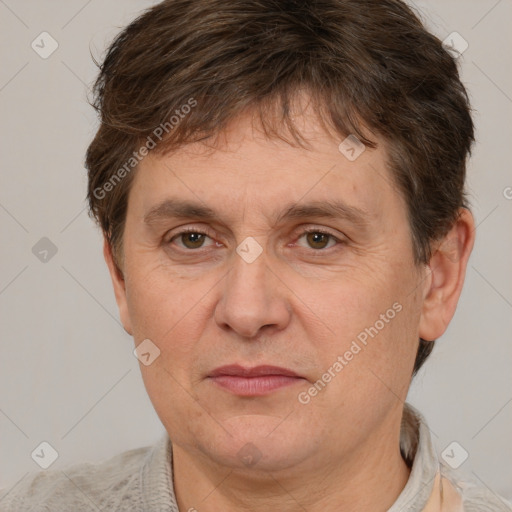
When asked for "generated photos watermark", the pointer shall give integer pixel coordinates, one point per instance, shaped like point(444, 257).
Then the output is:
point(158, 133)
point(304, 397)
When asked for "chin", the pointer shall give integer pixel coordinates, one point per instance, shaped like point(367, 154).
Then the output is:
point(260, 442)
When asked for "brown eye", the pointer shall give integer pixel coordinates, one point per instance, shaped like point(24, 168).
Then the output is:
point(318, 240)
point(192, 240)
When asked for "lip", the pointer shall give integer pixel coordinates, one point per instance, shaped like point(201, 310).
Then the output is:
point(257, 371)
point(256, 381)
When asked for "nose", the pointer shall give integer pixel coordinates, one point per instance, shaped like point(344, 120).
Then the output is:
point(253, 299)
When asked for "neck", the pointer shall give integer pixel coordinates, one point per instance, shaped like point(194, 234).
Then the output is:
point(370, 477)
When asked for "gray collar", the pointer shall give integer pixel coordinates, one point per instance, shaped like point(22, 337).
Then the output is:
point(417, 448)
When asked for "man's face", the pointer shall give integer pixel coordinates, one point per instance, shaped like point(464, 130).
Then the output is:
point(339, 306)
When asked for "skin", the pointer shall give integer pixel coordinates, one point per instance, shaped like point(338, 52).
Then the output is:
point(299, 305)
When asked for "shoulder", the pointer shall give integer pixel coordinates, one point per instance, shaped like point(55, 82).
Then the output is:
point(81, 487)
point(476, 497)
point(480, 499)
point(434, 482)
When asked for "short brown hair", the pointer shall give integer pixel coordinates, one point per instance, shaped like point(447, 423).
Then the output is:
point(369, 66)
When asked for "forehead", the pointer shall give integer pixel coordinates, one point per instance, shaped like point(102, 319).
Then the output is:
point(246, 170)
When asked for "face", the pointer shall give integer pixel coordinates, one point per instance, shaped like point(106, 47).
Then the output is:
point(305, 263)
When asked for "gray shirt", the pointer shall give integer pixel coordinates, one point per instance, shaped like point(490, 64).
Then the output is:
point(141, 480)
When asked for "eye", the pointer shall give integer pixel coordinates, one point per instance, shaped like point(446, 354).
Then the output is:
point(318, 239)
point(190, 239)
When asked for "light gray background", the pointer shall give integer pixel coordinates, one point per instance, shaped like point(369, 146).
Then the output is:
point(67, 372)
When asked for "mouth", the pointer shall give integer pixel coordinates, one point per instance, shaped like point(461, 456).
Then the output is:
point(256, 381)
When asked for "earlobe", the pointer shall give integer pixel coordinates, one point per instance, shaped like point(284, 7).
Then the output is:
point(119, 285)
point(446, 272)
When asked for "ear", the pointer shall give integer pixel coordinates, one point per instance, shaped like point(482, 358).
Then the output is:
point(119, 287)
point(447, 269)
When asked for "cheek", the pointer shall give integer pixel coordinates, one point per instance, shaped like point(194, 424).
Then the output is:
point(371, 322)
point(170, 313)
point(159, 301)
point(347, 304)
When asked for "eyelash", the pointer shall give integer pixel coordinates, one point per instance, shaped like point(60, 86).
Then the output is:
point(302, 233)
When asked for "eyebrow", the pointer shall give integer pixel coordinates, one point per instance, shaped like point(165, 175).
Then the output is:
point(332, 209)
